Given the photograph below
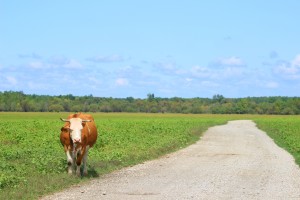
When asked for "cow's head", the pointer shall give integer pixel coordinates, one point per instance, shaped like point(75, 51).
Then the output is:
point(76, 126)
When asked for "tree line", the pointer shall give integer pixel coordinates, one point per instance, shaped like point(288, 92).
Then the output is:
point(17, 101)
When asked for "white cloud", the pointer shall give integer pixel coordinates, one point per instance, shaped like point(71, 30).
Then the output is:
point(296, 61)
point(128, 71)
point(284, 68)
point(230, 69)
point(272, 84)
point(94, 80)
point(232, 61)
point(73, 64)
point(201, 72)
point(289, 70)
point(169, 68)
point(36, 65)
point(188, 79)
point(210, 84)
point(11, 80)
point(227, 72)
point(62, 61)
point(122, 82)
point(56, 62)
point(232, 72)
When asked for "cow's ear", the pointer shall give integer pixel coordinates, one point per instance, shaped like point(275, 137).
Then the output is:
point(64, 129)
point(84, 121)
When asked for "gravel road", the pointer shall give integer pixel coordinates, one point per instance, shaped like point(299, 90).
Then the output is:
point(232, 161)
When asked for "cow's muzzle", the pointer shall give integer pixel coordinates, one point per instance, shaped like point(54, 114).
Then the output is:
point(76, 140)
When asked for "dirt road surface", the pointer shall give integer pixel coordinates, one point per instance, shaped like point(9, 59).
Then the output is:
point(232, 161)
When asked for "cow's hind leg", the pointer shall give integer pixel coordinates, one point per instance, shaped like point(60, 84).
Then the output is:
point(85, 156)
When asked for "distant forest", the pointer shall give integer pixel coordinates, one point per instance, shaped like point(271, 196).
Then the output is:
point(19, 102)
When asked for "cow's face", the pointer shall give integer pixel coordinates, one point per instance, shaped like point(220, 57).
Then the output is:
point(75, 129)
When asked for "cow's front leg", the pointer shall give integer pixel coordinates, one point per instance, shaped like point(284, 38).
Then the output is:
point(85, 156)
point(78, 161)
point(70, 162)
point(70, 158)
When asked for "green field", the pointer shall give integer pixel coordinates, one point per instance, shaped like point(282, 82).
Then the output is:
point(33, 163)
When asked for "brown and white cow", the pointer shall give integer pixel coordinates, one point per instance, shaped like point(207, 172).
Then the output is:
point(78, 135)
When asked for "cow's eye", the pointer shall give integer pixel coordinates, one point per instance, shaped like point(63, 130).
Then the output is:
point(71, 130)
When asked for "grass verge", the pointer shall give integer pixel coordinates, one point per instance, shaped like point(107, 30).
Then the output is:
point(285, 130)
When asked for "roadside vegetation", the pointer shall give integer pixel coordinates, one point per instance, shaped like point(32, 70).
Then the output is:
point(285, 130)
point(33, 163)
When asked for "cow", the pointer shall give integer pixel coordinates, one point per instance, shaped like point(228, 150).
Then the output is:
point(78, 134)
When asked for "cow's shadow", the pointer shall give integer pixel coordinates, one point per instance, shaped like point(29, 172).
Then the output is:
point(92, 173)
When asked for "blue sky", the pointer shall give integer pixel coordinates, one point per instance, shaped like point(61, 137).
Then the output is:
point(112, 48)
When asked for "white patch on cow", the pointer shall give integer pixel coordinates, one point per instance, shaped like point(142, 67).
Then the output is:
point(75, 129)
point(69, 157)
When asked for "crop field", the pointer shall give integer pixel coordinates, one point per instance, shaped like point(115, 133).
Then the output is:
point(33, 163)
